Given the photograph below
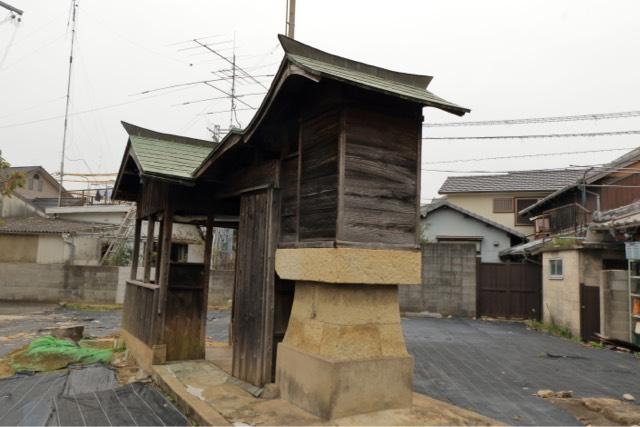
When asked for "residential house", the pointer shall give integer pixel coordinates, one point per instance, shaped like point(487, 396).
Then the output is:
point(40, 187)
point(41, 240)
point(500, 197)
point(443, 221)
point(583, 256)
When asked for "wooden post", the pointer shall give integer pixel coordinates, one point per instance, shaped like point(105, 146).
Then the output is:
point(165, 257)
point(208, 240)
point(148, 251)
point(159, 252)
point(136, 249)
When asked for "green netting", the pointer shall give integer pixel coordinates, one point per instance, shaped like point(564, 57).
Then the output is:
point(49, 353)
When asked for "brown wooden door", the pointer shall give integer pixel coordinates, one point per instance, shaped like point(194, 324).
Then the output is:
point(589, 312)
point(254, 288)
point(511, 291)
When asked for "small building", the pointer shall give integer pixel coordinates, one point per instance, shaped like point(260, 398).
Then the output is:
point(500, 197)
point(443, 221)
point(324, 188)
point(42, 240)
point(40, 187)
point(582, 228)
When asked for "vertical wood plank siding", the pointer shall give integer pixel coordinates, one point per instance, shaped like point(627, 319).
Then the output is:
point(138, 313)
point(185, 301)
point(289, 197)
point(510, 290)
point(614, 197)
point(254, 288)
point(319, 177)
point(380, 203)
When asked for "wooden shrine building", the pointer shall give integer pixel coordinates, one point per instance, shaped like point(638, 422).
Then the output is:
point(324, 188)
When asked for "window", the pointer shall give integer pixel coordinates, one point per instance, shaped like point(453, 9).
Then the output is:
point(35, 183)
point(179, 252)
point(503, 205)
point(555, 269)
point(520, 205)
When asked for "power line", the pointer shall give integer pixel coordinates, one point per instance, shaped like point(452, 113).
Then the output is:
point(104, 107)
point(599, 116)
point(520, 156)
point(547, 135)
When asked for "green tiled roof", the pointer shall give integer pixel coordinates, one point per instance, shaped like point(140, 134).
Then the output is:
point(409, 86)
point(385, 85)
point(176, 158)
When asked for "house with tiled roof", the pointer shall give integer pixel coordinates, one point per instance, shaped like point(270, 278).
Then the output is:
point(444, 222)
point(499, 197)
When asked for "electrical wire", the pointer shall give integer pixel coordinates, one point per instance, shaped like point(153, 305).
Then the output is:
point(521, 156)
point(547, 135)
point(91, 110)
point(598, 116)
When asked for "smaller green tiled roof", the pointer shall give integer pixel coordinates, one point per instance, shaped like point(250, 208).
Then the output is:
point(167, 155)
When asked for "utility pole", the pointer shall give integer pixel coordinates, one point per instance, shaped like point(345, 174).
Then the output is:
point(74, 6)
point(290, 19)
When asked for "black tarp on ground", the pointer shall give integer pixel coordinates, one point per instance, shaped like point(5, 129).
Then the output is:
point(85, 396)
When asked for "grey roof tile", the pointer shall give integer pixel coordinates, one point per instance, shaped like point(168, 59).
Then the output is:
point(42, 225)
point(534, 180)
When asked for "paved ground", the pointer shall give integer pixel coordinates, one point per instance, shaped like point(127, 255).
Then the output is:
point(493, 368)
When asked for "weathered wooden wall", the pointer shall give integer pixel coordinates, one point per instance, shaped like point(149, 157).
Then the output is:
point(139, 311)
point(253, 304)
point(319, 177)
point(185, 301)
point(380, 177)
point(614, 197)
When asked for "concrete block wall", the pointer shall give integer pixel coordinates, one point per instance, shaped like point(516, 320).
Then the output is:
point(614, 304)
point(57, 282)
point(53, 283)
point(448, 281)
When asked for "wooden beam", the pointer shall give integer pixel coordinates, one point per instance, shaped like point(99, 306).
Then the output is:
point(148, 250)
point(135, 256)
point(261, 176)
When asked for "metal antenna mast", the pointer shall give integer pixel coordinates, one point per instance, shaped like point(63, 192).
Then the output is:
point(233, 83)
point(290, 20)
point(74, 6)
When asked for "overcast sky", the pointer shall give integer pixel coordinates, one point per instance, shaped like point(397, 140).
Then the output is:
point(502, 59)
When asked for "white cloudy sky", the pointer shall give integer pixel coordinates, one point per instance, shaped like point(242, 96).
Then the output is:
point(503, 59)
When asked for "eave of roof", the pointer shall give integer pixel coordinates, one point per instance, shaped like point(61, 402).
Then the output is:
point(425, 210)
point(302, 59)
point(514, 181)
point(43, 225)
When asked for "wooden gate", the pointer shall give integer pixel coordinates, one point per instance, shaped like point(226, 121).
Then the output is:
point(589, 312)
point(252, 334)
point(512, 291)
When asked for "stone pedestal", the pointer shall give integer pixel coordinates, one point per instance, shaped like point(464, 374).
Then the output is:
point(344, 352)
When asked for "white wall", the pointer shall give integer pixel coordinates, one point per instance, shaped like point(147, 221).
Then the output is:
point(83, 250)
point(448, 222)
point(14, 206)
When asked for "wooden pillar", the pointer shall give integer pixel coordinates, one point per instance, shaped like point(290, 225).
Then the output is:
point(165, 257)
point(159, 252)
point(208, 240)
point(148, 251)
point(136, 249)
